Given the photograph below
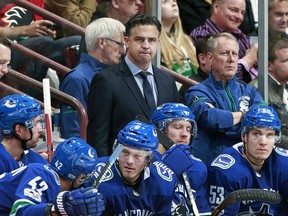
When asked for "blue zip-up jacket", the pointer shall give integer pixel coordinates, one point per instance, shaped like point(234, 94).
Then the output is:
point(76, 83)
point(215, 125)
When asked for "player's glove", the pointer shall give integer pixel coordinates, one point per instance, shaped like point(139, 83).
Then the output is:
point(86, 201)
point(178, 158)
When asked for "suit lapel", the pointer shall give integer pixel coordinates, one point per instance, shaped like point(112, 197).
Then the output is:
point(159, 83)
point(133, 87)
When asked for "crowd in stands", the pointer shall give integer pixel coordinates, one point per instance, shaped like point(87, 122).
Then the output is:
point(217, 136)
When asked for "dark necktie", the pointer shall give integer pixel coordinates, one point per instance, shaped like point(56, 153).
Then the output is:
point(148, 93)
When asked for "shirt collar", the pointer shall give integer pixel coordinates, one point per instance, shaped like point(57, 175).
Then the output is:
point(134, 69)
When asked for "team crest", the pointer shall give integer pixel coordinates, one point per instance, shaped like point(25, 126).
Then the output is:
point(223, 161)
point(282, 151)
point(108, 174)
point(10, 103)
point(164, 171)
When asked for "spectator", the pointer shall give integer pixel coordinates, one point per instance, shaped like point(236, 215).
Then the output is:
point(136, 182)
point(204, 66)
point(21, 129)
point(75, 11)
point(226, 16)
point(5, 55)
point(120, 10)
point(194, 13)
point(177, 122)
point(177, 50)
point(252, 163)
point(105, 45)
point(278, 18)
point(277, 83)
point(220, 101)
point(116, 94)
point(39, 189)
point(31, 31)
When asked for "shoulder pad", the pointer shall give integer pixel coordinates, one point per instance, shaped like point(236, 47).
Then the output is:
point(282, 151)
point(223, 161)
point(163, 171)
point(108, 175)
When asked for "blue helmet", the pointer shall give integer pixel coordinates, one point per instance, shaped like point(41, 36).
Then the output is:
point(139, 135)
point(173, 111)
point(17, 108)
point(74, 157)
point(261, 116)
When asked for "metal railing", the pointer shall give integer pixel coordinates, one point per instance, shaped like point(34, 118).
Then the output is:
point(55, 94)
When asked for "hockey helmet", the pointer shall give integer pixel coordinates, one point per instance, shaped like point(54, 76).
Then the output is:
point(139, 135)
point(74, 157)
point(17, 109)
point(261, 116)
point(173, 111)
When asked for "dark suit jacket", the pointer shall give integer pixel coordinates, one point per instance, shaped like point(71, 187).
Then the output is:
point(115, 99)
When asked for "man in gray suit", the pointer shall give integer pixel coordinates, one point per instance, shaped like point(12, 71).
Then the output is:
point(117, 94)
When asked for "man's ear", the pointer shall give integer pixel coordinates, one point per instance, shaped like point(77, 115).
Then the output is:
point(126, 39)
point(209, 58)
point(18, 129)
point(115, 4)
point(101, 42)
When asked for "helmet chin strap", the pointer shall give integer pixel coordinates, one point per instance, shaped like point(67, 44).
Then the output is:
point(248, 158)
point(24, 142)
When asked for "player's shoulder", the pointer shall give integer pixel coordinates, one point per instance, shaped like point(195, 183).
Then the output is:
point(282, 153)
point(228, 159)
point(160, 171)
point(280, 158)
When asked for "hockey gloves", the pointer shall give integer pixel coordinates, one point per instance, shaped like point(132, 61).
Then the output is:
point(86, 201)
point(178, 158)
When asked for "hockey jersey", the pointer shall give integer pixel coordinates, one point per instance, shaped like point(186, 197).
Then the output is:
point(7, 162)
point(230, 171)
point(28, 190)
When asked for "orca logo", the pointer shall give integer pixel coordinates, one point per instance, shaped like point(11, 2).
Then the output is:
point(10, 103)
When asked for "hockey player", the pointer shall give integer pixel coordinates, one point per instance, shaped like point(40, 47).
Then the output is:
point(134, 185)
point(39, 189)
point(178, 123)
point(21, 129)
point(253, 163)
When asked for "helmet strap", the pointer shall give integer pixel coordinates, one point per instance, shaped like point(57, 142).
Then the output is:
point(248, 158)
point(23, 142)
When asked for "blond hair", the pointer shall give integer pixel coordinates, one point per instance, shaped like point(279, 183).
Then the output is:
point(171, 53)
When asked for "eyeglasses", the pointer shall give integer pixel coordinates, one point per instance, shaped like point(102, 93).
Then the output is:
point(121, 45)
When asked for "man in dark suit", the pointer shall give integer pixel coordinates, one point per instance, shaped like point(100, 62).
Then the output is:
point(117, 94)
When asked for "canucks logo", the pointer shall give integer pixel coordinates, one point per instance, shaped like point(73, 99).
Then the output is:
point(108, 174)
point(10, 103)
point(164, 171)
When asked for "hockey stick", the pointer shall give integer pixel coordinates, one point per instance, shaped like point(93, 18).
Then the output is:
point(163, 139)
point(167, 143)
point(248, 194)
point(110, 162)
point(190, 194)
point(47, 111)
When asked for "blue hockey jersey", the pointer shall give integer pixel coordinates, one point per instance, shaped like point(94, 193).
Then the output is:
point(152, 196)
point(28, 189)
point(230, 171)
point(7, 162)
point(197, 176)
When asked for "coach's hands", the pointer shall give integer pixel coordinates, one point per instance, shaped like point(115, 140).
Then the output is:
point(86, 201)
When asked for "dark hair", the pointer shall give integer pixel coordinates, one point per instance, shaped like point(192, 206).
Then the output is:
point(201, 45)
point(276, 44)
point(4, 41)
point(142, 19)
